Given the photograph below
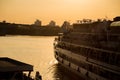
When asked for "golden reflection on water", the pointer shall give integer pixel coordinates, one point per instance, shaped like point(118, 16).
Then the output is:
point(35, 50)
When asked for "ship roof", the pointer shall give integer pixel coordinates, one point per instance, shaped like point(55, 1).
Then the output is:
point(11, 65)
point(116, 23)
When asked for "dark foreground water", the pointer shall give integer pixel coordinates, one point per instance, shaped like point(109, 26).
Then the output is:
point(37, 51)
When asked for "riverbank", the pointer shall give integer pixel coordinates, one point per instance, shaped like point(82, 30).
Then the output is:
point(32, 30)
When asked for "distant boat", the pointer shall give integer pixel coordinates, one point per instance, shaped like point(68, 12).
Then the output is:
point(91, 49)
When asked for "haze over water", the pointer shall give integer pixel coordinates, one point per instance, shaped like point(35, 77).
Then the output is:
point(37, 51)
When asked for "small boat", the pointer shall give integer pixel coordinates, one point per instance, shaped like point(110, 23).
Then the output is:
point(11, 69)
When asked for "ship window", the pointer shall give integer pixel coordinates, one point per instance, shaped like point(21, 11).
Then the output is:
point(72, 48)
point(118, 60)
point(78, 69)
point(56, 53)
point(114, 38)
point(67, 46)
point(90, 53)
point(93, 54)
point(112, 58)
point(90, 67)
point(78, 49)
point(69, 64)
point(100, 55)
point(104, 57)
point(83, 51)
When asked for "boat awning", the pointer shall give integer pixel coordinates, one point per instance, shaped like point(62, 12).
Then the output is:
point(11, 65)
point(117, 23)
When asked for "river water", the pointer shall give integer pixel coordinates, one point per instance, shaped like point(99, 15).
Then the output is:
point(37, 51)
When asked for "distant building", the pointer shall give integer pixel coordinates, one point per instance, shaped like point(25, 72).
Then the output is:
point(37, 23)
point(52, 24)
point(65, 26)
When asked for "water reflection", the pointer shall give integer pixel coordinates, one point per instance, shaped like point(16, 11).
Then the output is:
point(61, 73)
point(37, 51)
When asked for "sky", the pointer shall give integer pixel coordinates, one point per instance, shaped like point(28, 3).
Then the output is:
point(27, 11)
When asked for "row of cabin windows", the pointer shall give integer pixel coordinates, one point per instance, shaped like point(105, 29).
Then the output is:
point(93, 37)
point(94, 41)
point(92, 68)
point(110, 58)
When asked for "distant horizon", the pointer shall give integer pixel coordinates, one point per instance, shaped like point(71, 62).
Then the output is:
point(27, 11)
point(56, 23)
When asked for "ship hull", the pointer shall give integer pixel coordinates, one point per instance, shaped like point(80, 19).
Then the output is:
point(79, 70)
point(91, 50)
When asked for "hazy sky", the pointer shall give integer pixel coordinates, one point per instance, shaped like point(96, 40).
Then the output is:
point(27, 11)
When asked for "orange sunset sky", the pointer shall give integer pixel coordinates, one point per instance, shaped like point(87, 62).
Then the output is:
point(27, 11)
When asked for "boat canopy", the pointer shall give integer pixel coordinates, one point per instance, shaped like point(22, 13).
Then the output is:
point(116, 23)
point(11, 65)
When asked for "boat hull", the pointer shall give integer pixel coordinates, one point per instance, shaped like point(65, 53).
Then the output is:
point(73, 67)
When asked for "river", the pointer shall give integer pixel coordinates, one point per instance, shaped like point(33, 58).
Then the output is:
point(37, 51)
